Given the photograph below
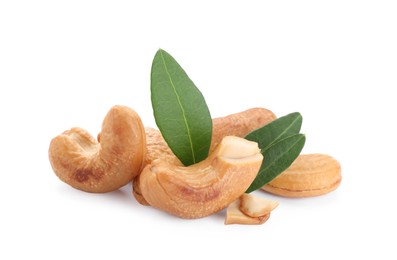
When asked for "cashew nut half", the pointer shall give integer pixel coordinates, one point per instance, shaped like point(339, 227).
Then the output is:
point(104, 165)
point(206, 187)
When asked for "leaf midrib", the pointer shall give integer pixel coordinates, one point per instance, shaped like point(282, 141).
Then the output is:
point(180, 105)
point(287, 151)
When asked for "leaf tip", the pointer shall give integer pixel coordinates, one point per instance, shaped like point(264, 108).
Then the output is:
point(297, 114)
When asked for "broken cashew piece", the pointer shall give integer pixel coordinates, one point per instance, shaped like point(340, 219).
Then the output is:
point(86, 164)
point(254, 206)
point(249, 209)
point(235, 216)
point(204, 188)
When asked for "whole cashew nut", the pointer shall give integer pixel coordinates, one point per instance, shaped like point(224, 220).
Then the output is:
point(92, 166)
point(206, 187)
point(238, 124)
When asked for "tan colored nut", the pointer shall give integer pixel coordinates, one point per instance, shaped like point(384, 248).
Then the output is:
point(254, 206)
point(238, 124)
point(206, 187)
point(235, 216)
point(309, 175)
point(92, 166)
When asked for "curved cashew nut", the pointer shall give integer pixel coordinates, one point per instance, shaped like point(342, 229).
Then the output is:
point(238, 124)
point(206, 187)
point(88, 165)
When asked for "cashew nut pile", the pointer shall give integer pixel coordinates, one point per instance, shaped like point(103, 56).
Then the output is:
point(127, 152)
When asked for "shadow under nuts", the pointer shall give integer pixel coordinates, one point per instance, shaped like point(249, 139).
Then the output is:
point(86, 164)
point(204, 188)
point(309, 175)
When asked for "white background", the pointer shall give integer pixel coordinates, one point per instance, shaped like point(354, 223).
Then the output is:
point(65, 63)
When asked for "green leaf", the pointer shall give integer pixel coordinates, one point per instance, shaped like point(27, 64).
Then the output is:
point(277, 158)
point(280, 144)
point(180, 110)
point(276, 130)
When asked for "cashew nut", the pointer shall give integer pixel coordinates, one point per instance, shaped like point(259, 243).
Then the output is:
point(235, 216)
point(254, 207)
point(309, 175)
point(249, 209)
point(238, 124)
point(103, 165)
point(206, 187)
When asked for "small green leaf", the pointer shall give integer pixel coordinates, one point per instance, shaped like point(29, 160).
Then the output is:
point(277, 158)
point(276, 130)
point(180, 110)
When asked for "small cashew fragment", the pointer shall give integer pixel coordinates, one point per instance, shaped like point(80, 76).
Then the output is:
point(254, 206)
point(238, 124)
point(204, 188)
point(92, 166)
point(309, 175)
point(235, 216)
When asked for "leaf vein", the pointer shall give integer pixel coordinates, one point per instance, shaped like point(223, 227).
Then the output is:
point(281, 134)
